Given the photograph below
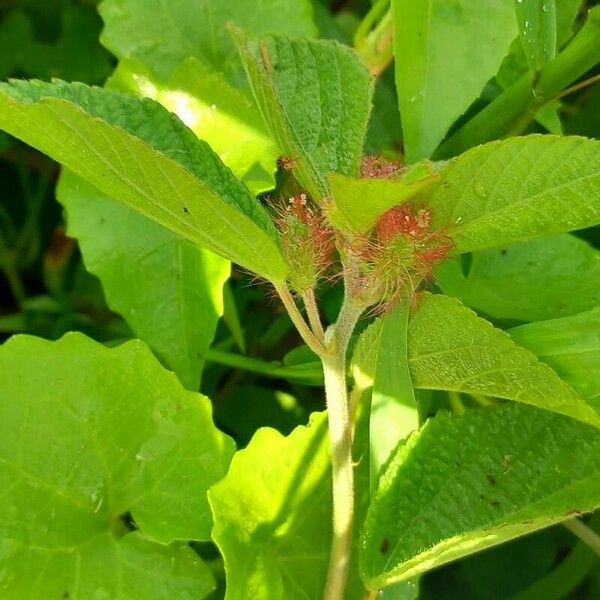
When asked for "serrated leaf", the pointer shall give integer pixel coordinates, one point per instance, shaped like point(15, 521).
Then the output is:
point(518, 189)
point(215, 111)
point(79, 449)
point(169, 290)
point(541, 279)
point(464, 484)
point(137, 152)
point(163, 34)
point(316, 98)
point(273, 517)
point(442, 63)
point(571, 346)
point(451, 348)
point(357, 203)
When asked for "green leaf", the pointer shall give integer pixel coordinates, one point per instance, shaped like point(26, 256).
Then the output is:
point(215, 111)
point(380, 361)
point(571, 346)
point(358, 203)
point(104, 566)
point(273, 517)
point(168, 290)
point(115, 434)
point(450, 348)
point(541, 279)
point(163, 34)
point(518, 189)
point(467, 483)
point(16, 32)
point(442, 64)
point(316, 98)
point(512, 111)
point(137, 152)
point(537, 28)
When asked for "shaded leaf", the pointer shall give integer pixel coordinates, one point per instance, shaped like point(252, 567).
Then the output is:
point(163, 34)
point(464, 484)
point(571, 346)
point(316, 98)
point(450, 348)
point(537, 28)
point(541, 279)
point(137, 152)
point(443, 64)
point(168, 290)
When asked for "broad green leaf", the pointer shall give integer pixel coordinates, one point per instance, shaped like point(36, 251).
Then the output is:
point(316, 98)
point(571, 346)
point(541, 279)
point(467, 483)
point(169, 290)
point(105, 566)
point(137, 152)
point(512, 111)
point(163, 34)
point(88, 435)
point(537, 28)
point(518, 189)
point(215, 111)
point(450, 348)
point(442, 64)
point(357, 203)
point(273, 517)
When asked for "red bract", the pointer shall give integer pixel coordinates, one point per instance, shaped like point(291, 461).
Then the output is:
point(377, 166)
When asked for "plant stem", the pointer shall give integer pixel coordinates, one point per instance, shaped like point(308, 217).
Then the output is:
point(298, 320)
point(341, 435)
point(312, 312)
point(586, 534)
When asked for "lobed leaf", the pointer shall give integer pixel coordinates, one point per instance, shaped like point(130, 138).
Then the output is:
point(66, 504)
point(435, 85)
point(518, 189)
point(316, 98)
point(467, 483)
point(137, 152)
point(450, 348)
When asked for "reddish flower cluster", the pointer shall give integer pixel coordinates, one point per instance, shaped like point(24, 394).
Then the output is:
point(377, 166)
point(401, 251)
point(307, 242)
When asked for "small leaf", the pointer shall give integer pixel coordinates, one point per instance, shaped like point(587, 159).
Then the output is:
point(357, 203)
point(537, 28)
point(316, 98)
point(161, 35)
point(518, 189)
point(169, 290)
point(72, 466)
point(137, 152)
point(468, 483)
point(443, 65)
point(571, 346)
point(450, 348)
point(541, 279)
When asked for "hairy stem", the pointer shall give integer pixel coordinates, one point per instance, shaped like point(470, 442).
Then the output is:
point(341, 435)
point(298, 320)
point(312, 312)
